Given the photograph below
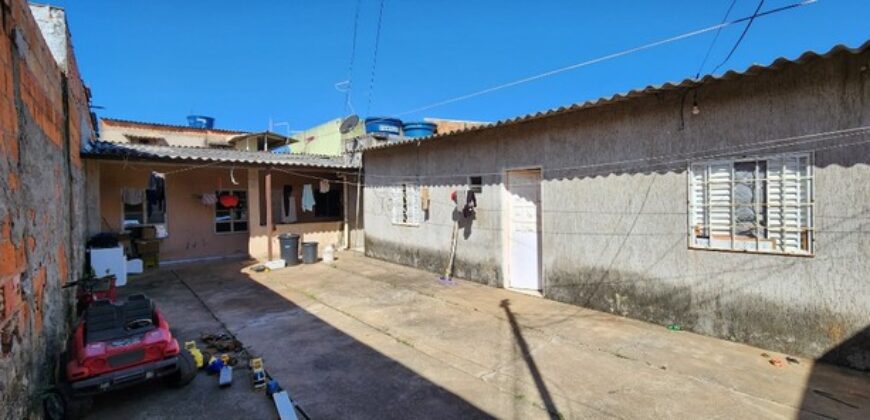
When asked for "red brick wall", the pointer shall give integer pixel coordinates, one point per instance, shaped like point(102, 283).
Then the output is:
point(42, 213)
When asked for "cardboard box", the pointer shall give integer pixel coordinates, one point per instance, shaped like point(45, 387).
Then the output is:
point(147, 246)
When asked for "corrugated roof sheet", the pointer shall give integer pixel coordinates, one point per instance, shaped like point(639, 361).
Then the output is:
point(117, 151)
point(142, 124)
point(635, 93)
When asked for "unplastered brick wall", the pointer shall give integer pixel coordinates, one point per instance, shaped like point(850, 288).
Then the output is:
point(44, 120)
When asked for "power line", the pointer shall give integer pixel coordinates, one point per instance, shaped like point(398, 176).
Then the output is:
point(743, 34)
point(375, 56)
point(715, 38)
point(605, 58)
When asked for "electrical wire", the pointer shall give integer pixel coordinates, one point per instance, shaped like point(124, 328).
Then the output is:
point(740, 39)
point(375, 57)
point(713, 42)
point(604, 58)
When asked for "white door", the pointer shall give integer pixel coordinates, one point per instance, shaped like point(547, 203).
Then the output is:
point(524, 229)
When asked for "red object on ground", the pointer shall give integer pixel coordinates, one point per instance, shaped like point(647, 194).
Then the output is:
point(453, 196)
point(115, 345)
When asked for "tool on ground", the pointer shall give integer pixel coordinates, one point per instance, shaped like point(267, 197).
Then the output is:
point(448, 272)
point(198, 357)
point(258, 373)
point(226, 376)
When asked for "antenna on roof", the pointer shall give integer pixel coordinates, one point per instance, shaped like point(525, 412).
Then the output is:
point(349, 123)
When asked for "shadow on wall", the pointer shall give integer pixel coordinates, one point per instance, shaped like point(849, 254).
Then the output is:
point(329, 373)
point(829, 398)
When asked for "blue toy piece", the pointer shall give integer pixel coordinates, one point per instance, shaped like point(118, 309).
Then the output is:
point(215, 365)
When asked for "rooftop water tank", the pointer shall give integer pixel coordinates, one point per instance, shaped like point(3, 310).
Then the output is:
point(418, 129)
point(200, 121)
point(384, 126)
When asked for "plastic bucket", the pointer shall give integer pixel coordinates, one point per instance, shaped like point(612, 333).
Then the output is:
point(381, 125)
point(289, 244)
point(418, 129)
point(309, 252)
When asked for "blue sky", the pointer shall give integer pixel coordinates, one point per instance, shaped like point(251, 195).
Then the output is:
point(244, 63)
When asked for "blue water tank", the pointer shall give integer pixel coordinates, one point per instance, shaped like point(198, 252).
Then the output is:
point(383, 125)
point(200, 121)
point(418, 129)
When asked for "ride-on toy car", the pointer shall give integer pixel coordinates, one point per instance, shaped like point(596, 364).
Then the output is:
point(116, 345)
point(91, 288)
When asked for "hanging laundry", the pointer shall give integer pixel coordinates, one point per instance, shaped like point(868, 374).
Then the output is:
point(424, 198)
point(209, 199)
point(156, 192)
point(288, 205)
point(470, 204)
point(132, 196)
point(324, 186)
point(307, 198)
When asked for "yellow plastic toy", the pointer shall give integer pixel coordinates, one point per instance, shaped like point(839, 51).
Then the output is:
point(191, 348)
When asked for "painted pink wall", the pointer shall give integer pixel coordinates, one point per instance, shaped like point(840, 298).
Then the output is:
point(189, 222)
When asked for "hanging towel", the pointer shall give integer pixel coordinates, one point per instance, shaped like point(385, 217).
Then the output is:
point(160, 231)
point(324, 186)
point(156, 192)
point(132, 196)
point(307, 198)
point(288, 206)
point(424, 198)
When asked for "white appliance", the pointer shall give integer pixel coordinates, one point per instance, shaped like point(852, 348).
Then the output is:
point(110, 261)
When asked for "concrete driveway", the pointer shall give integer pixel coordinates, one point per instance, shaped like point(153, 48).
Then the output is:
point(367, 339)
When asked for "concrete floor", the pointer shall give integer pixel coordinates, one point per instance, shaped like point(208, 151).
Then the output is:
point(367, 339)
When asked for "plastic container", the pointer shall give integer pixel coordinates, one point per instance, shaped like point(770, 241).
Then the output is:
point(289, 244)
point(309, 252)
point(200, 121)
point(328, 254)
point(418, 129)
point(384, 126)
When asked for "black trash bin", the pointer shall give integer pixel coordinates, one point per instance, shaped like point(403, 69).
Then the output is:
point(289, 248)
point(309, 252)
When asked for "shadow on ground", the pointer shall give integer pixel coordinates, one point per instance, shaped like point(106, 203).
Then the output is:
point(330, 374)
point(821, 401)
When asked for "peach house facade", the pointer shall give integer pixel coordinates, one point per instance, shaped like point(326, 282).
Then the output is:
point(193, 223)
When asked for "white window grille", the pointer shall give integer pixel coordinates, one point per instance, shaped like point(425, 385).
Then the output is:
point(406, 208)
point(761, 204)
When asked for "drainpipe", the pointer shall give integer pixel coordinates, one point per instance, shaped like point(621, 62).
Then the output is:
point(269, 228)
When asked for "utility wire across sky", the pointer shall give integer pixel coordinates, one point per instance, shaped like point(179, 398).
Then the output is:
point(607, 57)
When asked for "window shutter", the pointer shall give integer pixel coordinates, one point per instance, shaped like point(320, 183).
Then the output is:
point(414, 211)
point(719, 187)
point(698, 200)
point(784, 202)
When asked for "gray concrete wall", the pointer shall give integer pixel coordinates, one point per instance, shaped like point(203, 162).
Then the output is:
point(615, 235)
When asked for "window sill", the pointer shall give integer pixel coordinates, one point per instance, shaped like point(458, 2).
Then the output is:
point(753, 251)
point(238, 232)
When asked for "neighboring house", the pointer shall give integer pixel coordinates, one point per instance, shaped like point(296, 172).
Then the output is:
point(326, 139)
point(734, 206)
point(137, 132)
point(197, 224)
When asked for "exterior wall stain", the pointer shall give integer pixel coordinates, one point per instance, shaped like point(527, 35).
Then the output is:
point(614, 207)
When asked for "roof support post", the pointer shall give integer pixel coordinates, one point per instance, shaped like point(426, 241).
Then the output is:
point(270, 228)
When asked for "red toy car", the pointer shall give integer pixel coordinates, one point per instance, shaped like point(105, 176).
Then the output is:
point(91, 289)
point(118, 344)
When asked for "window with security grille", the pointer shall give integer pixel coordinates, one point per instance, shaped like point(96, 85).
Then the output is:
point(762, 204)
point(406, 208)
